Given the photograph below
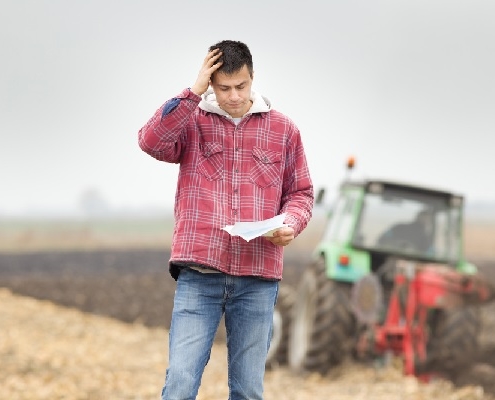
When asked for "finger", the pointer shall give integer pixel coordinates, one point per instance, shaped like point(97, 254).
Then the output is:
point(285, 235)
point(214, 67)
point(284, 231)
point(213, 55)
point(272, 240)
point(210, 55)
point(282, 241)
point(213, 61)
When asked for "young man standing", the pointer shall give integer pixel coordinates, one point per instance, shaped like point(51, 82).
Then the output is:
point(240, 160)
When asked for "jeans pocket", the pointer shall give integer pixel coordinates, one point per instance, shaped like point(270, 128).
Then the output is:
point(266, 167)
point(210, 163)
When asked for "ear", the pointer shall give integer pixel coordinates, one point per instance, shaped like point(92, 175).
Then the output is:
point(212, 78)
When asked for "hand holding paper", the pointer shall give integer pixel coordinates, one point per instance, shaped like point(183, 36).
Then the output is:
point(251, 230)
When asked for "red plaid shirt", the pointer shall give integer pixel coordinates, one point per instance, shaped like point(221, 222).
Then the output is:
point(228, 173)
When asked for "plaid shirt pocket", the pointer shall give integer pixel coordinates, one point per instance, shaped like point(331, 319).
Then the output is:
point(265, 171)
point(210, 163)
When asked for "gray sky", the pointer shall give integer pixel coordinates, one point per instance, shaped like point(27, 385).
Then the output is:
point(407, 87)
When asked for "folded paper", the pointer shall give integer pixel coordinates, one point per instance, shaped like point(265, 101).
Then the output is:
point(251, 230)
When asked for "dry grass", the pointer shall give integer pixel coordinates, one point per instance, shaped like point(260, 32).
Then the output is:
point(50, 352)
point(157, 233)
point(480, 240)
point(33, 235)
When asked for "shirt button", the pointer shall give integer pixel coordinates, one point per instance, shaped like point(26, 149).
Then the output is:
point(237, 149)
point(237, 170)
point(236, 190)
point(235, 212)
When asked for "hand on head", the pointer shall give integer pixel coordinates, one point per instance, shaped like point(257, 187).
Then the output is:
point(207, 69)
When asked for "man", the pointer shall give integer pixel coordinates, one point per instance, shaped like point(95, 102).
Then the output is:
point(240, 160)
point(416, 235)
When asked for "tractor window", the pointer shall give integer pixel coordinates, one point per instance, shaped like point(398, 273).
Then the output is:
point(416, 224)
point(448, 234)
point(342, 220)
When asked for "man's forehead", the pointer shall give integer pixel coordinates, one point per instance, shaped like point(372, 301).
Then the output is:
point(234, 79)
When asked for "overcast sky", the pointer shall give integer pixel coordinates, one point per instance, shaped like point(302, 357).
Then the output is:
point(407, 87)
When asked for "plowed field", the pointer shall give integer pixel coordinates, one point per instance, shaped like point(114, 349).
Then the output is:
point(53, 352)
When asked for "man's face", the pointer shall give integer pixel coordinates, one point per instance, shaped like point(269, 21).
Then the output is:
point(233, 92)
point(427, 221)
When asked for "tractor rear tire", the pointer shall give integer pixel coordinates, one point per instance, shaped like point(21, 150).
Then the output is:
point(282, 316)
point(323, 324)
point(454, 341)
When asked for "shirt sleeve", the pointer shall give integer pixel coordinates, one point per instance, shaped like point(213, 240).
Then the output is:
point(298, 192)
point(162, 137)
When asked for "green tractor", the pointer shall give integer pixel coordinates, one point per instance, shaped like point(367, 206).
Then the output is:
point(346, 291)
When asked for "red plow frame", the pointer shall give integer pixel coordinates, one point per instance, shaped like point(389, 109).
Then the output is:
point(418, 289)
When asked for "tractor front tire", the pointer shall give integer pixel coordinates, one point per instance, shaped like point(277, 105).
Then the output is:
point(323, 324)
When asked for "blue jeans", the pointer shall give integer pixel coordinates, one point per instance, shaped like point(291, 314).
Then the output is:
point(200, 301)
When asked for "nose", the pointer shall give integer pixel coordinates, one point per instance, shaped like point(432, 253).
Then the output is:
point(234, 95)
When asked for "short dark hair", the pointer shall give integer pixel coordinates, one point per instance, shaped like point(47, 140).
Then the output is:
point(234, 56)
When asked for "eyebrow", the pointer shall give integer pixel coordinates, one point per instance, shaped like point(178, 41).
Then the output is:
point(240, 84)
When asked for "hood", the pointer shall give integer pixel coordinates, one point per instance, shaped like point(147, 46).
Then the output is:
point(209, 103)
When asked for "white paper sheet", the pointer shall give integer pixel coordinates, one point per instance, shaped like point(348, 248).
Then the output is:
point(251, 230)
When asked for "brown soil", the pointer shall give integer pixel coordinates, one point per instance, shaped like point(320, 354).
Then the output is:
point(53, 352)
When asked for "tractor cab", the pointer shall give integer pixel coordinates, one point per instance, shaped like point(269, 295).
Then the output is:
point(374, 220)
